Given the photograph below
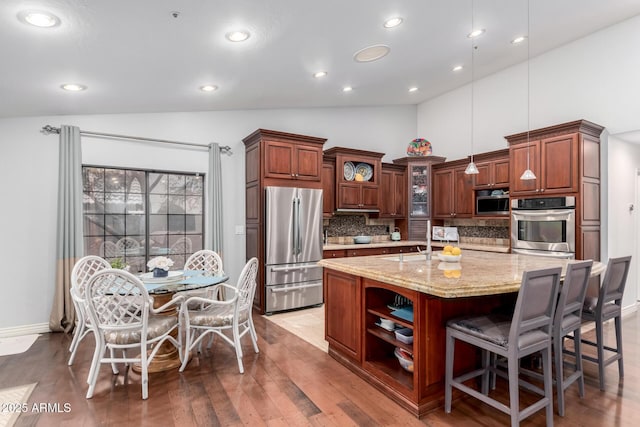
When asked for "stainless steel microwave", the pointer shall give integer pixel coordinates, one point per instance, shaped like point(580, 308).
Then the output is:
point(492, 205)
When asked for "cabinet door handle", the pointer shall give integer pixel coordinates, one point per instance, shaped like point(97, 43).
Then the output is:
point(542, 190)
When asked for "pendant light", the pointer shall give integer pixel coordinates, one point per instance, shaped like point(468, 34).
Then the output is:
point(528, 174)
point(471, 167)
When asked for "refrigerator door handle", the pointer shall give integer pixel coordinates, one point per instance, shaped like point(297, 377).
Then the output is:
point(293, 228)
point(295, 288)
point(293, 268)
point(299, 242)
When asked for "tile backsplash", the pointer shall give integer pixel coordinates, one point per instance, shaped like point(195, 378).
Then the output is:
point(357, 225)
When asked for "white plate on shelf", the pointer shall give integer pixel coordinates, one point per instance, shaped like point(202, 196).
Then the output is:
point(173, 276)
point(349, 171)
point(365, 170)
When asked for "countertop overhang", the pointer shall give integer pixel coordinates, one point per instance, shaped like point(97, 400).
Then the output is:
point(481, 273)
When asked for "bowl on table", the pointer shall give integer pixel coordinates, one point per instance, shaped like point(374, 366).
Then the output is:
point(449, 258)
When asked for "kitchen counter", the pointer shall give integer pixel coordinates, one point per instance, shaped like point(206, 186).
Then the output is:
point(385, 244)
point(481, 273)
point(420, 295)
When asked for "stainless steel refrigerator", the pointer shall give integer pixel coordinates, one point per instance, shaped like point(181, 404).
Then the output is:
point(293, 245)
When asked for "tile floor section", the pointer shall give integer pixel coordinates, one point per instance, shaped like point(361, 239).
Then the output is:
point(307, 324)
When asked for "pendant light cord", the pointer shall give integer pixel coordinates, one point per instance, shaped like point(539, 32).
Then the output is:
point(528, 81)
point(472, 76)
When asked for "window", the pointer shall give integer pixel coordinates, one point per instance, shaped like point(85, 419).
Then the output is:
point(136, 215)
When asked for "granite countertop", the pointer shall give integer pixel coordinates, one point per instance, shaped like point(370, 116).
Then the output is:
point(434, 244)
point(480, 273)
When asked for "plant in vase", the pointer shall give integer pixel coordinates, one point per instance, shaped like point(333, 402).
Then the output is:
point(119, 264)
point(160, 266)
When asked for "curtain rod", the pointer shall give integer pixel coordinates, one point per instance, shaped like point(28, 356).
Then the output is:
point(48, 129)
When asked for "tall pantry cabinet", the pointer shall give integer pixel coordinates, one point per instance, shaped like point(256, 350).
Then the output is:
point(280, 159)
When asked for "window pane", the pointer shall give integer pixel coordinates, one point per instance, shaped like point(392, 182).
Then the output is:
point(114, 225)
point(93, 179)
point(136, 264)
point(94, 225)
point(93, 246)
point(157, 224)
point(194, 184)
point(135, 224)
point(158, 204)
point(176, 224)
point(114, 180)
point(157, 183)
point(135, 203)
point(193, 205)
point(176, 204)
point(158, 244)
point(136, 182)
point(196, 243)
point(93, 202)
point(193, 224)
point(114, 202)
point(176, 184)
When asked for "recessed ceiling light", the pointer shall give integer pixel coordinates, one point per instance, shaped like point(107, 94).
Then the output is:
point(39, 18)
point(518, 39)
point(73, 87)
point(319, 74)
point(371, 53)
point(393, 22)
point(457, 68)
point(237, 36)
point(475, 33)
point(347, 89)
point(413, 89)
point(208, 88)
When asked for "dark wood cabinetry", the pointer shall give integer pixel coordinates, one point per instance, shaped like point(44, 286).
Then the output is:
point(566, 161)
point(554, 161)
point(275, 158)
point(357, 178)
point(393, 191)
point(452, 190)
point(418, 193)
point(345, 291)
point(328, 187)
point(493, 170)
point(341, 253)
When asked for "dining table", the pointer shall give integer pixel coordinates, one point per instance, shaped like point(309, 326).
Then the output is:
point(162, 290)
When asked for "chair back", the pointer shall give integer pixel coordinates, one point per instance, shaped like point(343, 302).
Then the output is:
point(108, 249)
point(573, 291)
point(206, 260)
point(84, 269)
point(614, 281)
point(247, 285)
point(536, 303)
point(118, 301)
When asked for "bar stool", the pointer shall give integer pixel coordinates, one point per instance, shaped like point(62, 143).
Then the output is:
point(608, 306)
point(529, 331)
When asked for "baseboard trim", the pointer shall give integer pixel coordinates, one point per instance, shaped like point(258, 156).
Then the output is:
point(37, 328)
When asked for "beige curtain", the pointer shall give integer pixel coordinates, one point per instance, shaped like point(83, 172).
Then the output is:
point(70, 244)
point(214, 184)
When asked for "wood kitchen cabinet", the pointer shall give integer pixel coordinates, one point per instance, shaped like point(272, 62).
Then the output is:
point(418, 194)
point(566, 161)
point(357, 178)
point(493, 170)
point(393, 191)
point(328, 187)
point(452, 190)
point(385, 250)
point(292, 160)
point(281, 159)
point(345, 291)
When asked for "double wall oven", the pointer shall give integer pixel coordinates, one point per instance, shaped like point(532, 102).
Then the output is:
point(544, 226)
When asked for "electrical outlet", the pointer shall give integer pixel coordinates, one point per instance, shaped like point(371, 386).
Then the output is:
point(239, 229)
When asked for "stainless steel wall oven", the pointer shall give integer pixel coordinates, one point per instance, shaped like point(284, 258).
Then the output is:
point(544, 226)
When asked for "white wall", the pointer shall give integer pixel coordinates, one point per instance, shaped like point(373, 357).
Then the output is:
point(29, 165)
point(593, 78)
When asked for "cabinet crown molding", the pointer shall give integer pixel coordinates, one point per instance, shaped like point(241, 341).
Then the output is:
point(582, 126)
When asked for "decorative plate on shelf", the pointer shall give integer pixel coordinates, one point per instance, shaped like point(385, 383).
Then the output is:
point(365, 171)
point(419, 147)
point(349, 171)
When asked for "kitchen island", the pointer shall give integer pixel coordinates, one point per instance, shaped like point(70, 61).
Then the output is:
point(359, 291)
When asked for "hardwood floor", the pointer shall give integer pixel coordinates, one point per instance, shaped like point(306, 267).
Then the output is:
point(290, 382)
